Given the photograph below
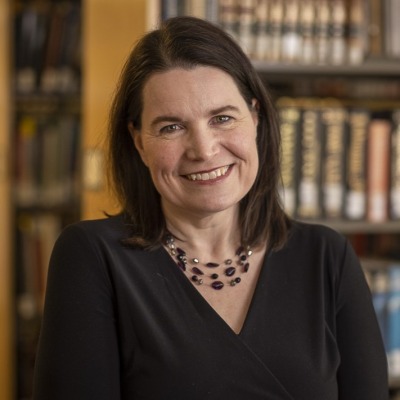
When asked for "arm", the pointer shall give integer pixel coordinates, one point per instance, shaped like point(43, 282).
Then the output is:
point(78, 349)
point(363, 370)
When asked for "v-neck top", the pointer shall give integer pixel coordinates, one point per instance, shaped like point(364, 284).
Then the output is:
point(127, 324)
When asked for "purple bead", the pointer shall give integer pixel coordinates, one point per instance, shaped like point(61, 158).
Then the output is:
point(181, 265)
point(180, 251)
point(230, 271)
point(197, 271)
point(246, 267)
point(212, 265)
point(217, 285)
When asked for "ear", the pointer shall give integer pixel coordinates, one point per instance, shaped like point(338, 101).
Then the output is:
point(255, 108)
point(137, 141)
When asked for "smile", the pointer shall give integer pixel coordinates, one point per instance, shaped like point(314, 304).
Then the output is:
point(206, 176)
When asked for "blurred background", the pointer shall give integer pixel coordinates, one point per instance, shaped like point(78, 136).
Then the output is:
point(333, 67)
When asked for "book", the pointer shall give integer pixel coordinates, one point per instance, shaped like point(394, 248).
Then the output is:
point(262, 30)
point(356, 176)
point(276, 12)
point(378, 167)
point(290, 125)
point(334, 132)
point(322, 21)
point(338, 20)
point(357, 35)
point(246, 20)
point(380, 292)
point(291, 39)
point(393, 325)
point(228, 15)
point(395, 167)
point(309, 193)
point(375, 28)
point(307, 31)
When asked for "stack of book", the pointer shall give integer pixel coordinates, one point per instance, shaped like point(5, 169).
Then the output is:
point(385, 287)
point(47, 38)
point(302, 31)
point(46, 162)
point(339, 162)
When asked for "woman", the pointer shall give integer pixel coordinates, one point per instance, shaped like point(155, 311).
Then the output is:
point(202, 288)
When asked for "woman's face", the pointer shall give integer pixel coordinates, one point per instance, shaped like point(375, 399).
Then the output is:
point(198, 139)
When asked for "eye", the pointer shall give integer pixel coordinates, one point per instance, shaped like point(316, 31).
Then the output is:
point(170, 128)
point(222, 119)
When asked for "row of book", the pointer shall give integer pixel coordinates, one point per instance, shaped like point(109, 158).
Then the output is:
point(36, 235)
point(47, 39)
point(339, 162)
point(384, 282)
point(302, 31)
point(46, 160)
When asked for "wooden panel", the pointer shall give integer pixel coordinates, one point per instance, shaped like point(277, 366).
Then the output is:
point(6, 295)
point(110, 30)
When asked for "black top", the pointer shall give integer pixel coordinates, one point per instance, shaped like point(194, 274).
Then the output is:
point(121, 323)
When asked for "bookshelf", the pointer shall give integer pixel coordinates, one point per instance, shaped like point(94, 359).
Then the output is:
point(104, 49)
point(28, 103)
point(6, 276)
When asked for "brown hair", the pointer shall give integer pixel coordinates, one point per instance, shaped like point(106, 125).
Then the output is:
point(187, 42)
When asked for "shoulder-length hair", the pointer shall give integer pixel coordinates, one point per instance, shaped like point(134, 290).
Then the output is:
point(187, 42)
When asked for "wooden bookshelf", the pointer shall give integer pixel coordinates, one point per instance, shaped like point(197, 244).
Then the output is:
point(106, 49)
point(6, 300)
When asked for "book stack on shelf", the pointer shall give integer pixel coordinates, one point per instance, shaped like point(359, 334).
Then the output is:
point(339, 162)
point(46, 162)
point(384, 281)
point(302, 31)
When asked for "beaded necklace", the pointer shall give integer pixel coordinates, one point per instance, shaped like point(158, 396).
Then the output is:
point(187, 264)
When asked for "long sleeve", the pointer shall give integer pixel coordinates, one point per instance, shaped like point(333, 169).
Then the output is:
point(363, 368)
point(78, 349)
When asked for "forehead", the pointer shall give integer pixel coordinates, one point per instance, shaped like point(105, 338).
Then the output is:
point(199, 86)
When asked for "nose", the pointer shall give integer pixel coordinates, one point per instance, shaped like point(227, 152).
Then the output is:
point(202, 143)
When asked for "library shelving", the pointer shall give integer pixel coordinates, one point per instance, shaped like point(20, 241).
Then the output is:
point(369, 78)
point(52, 126)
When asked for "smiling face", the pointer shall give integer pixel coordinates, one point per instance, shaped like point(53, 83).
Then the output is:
point(198, 139)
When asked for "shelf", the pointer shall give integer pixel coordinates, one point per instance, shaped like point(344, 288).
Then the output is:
point(364, 227)
point(370, 68)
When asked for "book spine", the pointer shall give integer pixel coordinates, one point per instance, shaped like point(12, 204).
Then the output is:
point(290, 118)
point(228, 15)
point(291, 40)
point(394, 320)
point(322, 21)
point(307, 31)
point(357, 35)
point(276, 12)
point(338, 43)
point(246, 25)
point(395, 168)
point(380, 292)
point(379, 135)
point(355, 205)
point(334, 124)
point(309, 195)
point(262, 40)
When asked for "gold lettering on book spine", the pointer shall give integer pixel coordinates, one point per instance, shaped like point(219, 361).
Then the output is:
point(356, 174)
point(289, 118)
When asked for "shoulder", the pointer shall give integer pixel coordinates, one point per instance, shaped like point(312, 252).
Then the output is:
point(310, 233)
point(111, 227)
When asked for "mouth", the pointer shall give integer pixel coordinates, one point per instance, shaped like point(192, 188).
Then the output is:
point(210, 175)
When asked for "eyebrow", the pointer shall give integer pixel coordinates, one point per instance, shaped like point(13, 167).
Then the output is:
point(173, 118)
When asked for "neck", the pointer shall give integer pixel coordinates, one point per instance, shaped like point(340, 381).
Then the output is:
point(216, 235)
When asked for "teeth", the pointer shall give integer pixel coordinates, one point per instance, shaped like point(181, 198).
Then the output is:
point(208, 175)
